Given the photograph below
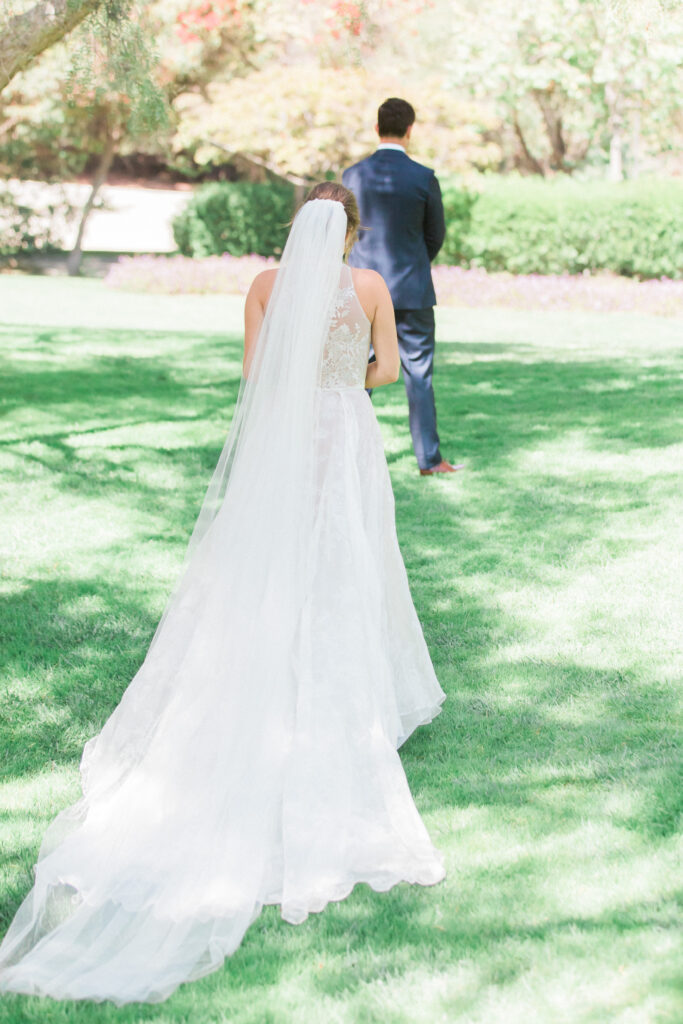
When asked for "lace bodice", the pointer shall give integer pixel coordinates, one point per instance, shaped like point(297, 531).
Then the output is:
point(345, 356)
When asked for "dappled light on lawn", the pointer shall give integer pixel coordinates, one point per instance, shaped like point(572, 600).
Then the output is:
point(544, 576)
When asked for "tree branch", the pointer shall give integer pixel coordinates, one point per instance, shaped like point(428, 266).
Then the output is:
point(293, 179)
point(26, 35)
point(9, 124)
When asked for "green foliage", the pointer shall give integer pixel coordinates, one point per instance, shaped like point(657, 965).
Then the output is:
point(239, 218)
point(320, 120)
point(523, 226)
point(531, 226)
point(115, 65)
point(575, 82)
point(96, 88)
point(459, 204)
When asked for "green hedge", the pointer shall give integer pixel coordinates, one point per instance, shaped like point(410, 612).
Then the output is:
point(529, 226)
point(239, 218)
point(522, 225)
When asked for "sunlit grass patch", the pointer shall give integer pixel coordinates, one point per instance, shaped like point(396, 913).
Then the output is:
point(546, 575)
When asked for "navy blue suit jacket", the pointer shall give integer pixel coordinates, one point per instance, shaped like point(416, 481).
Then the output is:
point(402, 224)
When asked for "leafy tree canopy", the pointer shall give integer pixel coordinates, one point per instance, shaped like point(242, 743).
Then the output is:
point(304, 122)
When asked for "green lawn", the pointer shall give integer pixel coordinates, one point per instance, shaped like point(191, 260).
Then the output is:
point(548, 580)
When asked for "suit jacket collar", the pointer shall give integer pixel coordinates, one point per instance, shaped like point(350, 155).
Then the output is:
point(392, 154)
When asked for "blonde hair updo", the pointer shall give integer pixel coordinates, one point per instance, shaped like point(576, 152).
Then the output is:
point(343, 195)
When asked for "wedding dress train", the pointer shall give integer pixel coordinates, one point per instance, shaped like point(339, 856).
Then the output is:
point(253, 759)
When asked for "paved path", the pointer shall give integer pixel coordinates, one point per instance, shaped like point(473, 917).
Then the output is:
point(126, 219)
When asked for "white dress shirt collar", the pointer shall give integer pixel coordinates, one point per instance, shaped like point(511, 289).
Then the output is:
point(392, 145)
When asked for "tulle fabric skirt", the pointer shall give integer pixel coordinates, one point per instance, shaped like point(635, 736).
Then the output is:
point(252, 760)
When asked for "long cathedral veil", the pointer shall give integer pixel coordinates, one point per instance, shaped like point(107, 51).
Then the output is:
point(263, 485)
point(120, 909)
point(268, 449)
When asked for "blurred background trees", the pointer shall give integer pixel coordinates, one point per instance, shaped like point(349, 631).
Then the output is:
point(29, 30)
point(267, 90)
point(576, 83)
point(566, 86)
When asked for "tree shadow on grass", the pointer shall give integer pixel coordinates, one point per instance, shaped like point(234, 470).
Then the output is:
point(382, 938)
point(80, 641)
point(481, 754)
point(577, 728)
point(489, 409)
point(193, 377)
point(528, 763)
point(488, 751)
point(519, 714)
point(119, 427)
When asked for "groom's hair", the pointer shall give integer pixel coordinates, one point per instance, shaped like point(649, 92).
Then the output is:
point(394, 118)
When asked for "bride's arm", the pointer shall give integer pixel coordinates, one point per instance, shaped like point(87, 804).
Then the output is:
point(385, 368)
point(254, 311)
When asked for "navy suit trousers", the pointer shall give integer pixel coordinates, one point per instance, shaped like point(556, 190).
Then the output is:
point(415, 329)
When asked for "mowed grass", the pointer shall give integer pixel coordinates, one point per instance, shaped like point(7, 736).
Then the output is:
point(548, 580)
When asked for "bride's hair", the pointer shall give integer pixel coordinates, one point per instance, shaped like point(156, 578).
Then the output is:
point(334, 191)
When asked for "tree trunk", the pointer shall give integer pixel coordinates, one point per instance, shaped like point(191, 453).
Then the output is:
point(529, 161)
point(73, 263)
point(553, 127)
point(616, 161)
point(26, 35)
point(635, 145)
point(615, 123)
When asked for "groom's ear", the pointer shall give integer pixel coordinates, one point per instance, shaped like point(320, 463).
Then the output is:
point(377, 128)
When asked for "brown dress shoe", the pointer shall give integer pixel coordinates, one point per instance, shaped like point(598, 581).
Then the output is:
point(443, 467)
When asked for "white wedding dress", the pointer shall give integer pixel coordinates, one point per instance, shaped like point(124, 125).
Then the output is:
point(253, 759)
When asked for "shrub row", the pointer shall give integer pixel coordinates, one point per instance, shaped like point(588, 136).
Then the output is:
point(240, 218)
point(527, 226)
point(455, 286)
point(523, 226)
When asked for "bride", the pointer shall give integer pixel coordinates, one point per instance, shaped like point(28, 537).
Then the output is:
point(253, 758)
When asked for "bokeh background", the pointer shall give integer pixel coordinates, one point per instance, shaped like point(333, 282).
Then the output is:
point(555, 129)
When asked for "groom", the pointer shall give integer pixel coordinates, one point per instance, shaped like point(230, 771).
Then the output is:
point(402, 230)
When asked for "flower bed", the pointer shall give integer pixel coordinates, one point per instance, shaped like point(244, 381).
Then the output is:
point(455, 286)
point(183, 275)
